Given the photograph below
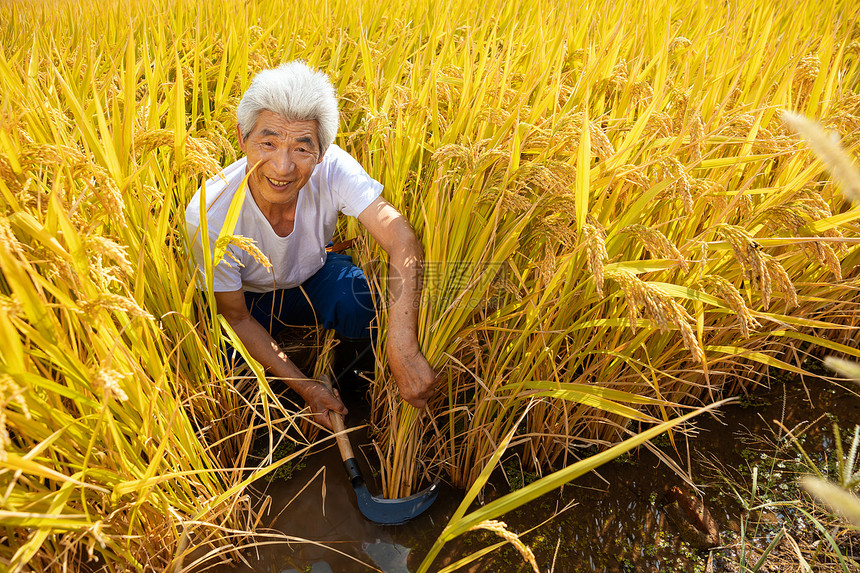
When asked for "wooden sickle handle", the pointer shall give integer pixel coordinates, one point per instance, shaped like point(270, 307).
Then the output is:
point(336, 419)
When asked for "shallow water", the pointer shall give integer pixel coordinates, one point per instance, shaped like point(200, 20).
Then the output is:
point(618, 523)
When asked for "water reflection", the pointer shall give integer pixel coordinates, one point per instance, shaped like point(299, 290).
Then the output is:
point(389, 557)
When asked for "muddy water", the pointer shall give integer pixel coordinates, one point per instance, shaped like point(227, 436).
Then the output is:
point(617, 521)
point(318, 504)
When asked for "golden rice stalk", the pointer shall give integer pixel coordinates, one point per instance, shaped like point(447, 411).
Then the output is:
point(556, 177)
point(643, 93)
point(660, 124)
point(10, 307)
point(788, 216)
point(8, 241)
point(104, 186)
point(831, 261)
point(35, 154)
point(697, 135)
point(197, 163)
point(558, 227)
point(656, 243)
point(114, 302)
point(633, 174)
point(7, 174)
point(152, 139)
point(218, 135)
point(619, 77)
point(452, 151)
point(600, 144)
point(807, 72)
point(199, 151)
point(780, 278)
point(748, 253)
point(812, 203)
point(722, 288)
point(109, 249)
point(679, 43)
point(595, 246)
point(828, 148)
point(658, 306)
point(683, 186)
point(569, 129)
point(741, 126)
point(680, 100)
point(246, 244)
point(11, 392)
point(106, 380)
point(500, 528)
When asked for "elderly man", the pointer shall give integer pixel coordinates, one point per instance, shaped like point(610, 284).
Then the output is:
point(297, 182)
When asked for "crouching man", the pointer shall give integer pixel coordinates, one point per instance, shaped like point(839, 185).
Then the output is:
point(298, 182)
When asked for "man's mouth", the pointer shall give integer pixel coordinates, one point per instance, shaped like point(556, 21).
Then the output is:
point(277, 183)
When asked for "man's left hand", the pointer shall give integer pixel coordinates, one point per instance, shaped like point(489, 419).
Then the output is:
point(414, 376)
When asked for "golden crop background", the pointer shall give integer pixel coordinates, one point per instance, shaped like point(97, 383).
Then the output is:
point(615, 222)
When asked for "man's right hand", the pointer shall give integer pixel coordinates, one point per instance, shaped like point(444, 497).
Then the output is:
point(321, 402)
point(260, 345)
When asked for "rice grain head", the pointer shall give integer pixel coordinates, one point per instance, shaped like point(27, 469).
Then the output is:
point(633, 174)
point(500, 528)
point(656, 243)
point(107, 248)
point(113, 303)
point(657, 306)
point(672, 168)
point(643, 93)
point(246, 244)
point(779, 277)
point(10, 392)
point(748, 253)
point(831, 261)
point(619, 77)
point(679, 43)
point(697, 135)
point(8, 241)
point(721, 287)
point(660, 124)
point(106, 381)
point(7, 174)
point(595, 246)
point(806, 73)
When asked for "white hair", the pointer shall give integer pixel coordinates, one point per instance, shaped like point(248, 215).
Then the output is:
point(296, 92)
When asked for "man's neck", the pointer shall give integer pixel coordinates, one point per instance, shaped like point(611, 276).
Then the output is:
point(281, 217)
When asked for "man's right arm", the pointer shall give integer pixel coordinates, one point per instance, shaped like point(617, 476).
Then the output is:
point(265, 350)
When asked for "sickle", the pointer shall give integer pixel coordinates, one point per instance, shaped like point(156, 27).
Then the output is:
point(377, 509)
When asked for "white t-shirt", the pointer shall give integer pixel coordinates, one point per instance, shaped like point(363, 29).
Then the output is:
point(338, 184)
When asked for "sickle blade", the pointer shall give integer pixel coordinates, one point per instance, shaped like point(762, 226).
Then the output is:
point(393, 511)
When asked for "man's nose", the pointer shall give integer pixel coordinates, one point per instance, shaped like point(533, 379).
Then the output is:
point(284, 162)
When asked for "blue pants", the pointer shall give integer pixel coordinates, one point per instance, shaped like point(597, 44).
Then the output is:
point(336, 297)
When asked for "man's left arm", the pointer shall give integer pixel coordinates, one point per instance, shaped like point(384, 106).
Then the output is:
point(415, 378)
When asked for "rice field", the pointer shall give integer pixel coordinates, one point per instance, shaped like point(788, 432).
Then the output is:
point(618, 227)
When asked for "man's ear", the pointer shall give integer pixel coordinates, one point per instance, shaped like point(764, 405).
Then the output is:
point(241, 139)
point(319, 160)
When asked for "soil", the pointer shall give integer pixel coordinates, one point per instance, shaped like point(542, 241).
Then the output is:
point(618, 519)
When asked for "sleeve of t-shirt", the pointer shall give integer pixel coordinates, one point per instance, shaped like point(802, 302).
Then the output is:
point(353, 186)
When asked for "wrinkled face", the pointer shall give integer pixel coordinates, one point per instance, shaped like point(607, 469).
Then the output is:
point(285, 153)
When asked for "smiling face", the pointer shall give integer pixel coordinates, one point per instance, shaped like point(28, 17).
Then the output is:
point(285, 153)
